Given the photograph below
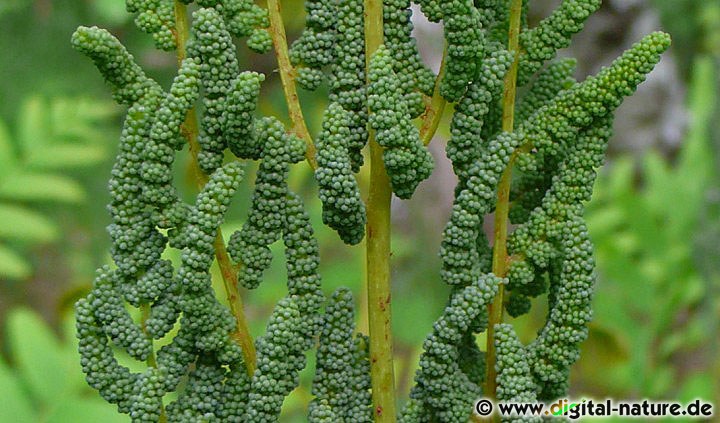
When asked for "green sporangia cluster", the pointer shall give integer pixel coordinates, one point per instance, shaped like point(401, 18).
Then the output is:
point(213, 46)
point(168, 314)
point(315, 49)
point(343, 209)
point(347, 76)
point(553, 33)
point(464, 37)
point(473, 109)
point(157, 18)
point(240, 128)
point(444, 388)
point(515, 382)
point(415, 77)
point(406, 159)
point(243, 18)
point(342, 383)
point(251, 245)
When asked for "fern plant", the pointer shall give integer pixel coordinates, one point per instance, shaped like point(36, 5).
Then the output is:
point(529, 159)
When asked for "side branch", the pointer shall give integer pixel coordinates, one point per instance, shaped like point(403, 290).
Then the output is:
point(287, 76)
point(189, 130)
point(434, 110)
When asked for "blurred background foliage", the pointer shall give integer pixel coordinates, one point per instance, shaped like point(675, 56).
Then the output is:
point(655, 216)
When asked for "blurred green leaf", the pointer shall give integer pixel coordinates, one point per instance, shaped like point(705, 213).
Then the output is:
point(85, 411)
point(33, 125)
point(41, 187)
point(7, 154)
point(46, 383)
point(12, 265)
point(698, 385)
point(25, 224)
point(66, 156)
point(16, 406)
point(111, 11)
point(10, 5)
point(38, 357)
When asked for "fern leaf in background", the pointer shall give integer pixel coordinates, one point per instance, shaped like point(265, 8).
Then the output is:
point(52, 139)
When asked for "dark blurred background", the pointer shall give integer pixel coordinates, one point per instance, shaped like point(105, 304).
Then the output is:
point(655, 216)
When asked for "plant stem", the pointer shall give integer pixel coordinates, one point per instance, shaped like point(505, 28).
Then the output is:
point(189, 129)
point(434, 111)
point(378, 250)
point(287, 76)
point(500, 255)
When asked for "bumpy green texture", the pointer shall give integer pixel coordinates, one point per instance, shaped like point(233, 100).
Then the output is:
point(534, 180)
point(465, 42)
point(315, 49)
point(201, 398)
point(541, 43)
point(464, 47)
point(415, 77)
point(127, 80)
point(158, 154)
point(465, 144)
point(568, 136)
point(280, 359)
point(244, 18)
point(342, 384)
point(238, 116)
point(461, 260)
point(213, 46)
point(157, 18)
point(347, 76)
point(443, 390)
point(515, 383)
point(140, 277)
point(302, 255)
point(557, 76)
point(551, 130)
point(251, 245)
point(563, 131)
point(205, 317)
point(406, 159)
point(567, 258)
point(343, 209)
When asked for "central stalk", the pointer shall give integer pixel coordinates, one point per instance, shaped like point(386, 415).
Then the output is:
point(378, 250)
point(500, 255)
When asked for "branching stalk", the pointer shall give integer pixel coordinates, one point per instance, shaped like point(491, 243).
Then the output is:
point(287, 77)
point(189, 130)
point(434, 110)
point(378, 251)
point(500, 255)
